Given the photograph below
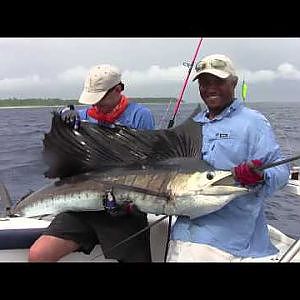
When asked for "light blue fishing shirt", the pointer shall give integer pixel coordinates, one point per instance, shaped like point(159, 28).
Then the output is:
point(237, 135)
point(135, 116)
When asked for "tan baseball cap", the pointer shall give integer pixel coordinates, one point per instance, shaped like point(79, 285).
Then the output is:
point(99, 80)
point(216, 64)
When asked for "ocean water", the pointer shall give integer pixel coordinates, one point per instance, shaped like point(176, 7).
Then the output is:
point(21, 165)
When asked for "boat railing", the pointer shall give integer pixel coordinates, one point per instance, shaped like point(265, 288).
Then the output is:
point(291, 252)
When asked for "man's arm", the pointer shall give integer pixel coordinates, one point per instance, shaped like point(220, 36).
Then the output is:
point(265, 148)
point(144, 119)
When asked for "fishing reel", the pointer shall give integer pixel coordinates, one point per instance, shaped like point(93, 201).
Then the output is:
point(109, 201)
point(113, 208)
point(70, 116)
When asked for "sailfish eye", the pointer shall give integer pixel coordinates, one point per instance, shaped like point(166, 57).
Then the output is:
point(209, 176)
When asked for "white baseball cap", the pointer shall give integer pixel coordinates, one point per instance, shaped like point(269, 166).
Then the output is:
point(99, 80)
point(216, 64)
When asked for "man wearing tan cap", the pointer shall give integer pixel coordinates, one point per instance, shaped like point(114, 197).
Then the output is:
point(81, 231)
point(234, 138)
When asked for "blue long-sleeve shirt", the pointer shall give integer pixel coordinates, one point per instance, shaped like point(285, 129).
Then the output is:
point(135, 116)
point(237, 135)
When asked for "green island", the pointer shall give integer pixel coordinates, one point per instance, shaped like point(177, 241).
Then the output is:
point(14, 102)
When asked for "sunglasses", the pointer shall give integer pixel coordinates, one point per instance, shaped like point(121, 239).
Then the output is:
point(212, 64)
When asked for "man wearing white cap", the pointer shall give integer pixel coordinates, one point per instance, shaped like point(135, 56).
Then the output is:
point(81, 231)
point(234, 138)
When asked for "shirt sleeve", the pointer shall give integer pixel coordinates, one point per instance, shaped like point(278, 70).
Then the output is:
point(263, 146)
point(144, 119)
point(82, 113)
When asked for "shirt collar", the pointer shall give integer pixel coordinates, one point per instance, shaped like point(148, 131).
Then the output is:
point(202, 116)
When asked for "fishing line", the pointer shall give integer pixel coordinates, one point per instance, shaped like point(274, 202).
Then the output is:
point(131, 237)
point(164, 116)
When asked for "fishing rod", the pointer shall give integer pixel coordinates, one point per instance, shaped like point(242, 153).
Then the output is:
point(177, 104)
point(277, 163)
point(171, 124)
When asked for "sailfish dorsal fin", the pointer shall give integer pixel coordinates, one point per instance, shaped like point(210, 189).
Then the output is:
point(68, 152)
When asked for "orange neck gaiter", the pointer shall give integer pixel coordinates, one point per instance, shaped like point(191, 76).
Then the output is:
point(112, 116)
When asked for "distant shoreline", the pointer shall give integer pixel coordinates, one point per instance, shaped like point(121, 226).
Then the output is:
point(54, 102)
point(32, 106)
point(76, 105)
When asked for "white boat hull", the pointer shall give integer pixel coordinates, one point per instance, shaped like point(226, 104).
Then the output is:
point(158, 236)
point(293, 187)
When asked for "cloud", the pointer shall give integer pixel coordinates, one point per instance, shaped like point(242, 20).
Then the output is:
point(155, 74)
point(155, 81)
point(75, 74)
point(31, 81)
point(65, 84)
point(284, 71)
point(288, 71)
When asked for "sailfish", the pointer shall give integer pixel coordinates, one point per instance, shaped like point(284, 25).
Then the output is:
point(157, 171)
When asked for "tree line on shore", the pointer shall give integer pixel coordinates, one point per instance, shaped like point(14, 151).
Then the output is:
point(12, 102)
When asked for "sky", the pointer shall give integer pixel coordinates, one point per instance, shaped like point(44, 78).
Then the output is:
point(151, 67)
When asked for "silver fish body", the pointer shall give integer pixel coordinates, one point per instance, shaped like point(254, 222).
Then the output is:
point(165, 189)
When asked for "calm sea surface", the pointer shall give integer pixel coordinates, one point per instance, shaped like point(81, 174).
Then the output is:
point(21, 166)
